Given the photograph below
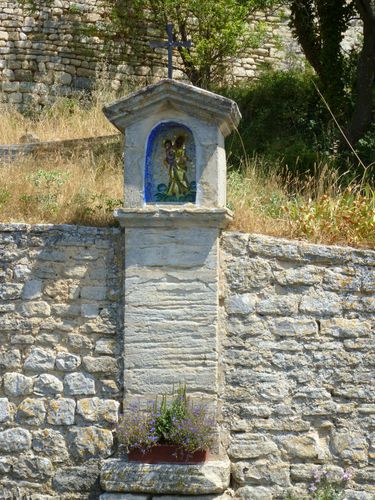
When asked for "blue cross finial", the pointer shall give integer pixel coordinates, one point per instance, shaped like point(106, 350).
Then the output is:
point(170, 44)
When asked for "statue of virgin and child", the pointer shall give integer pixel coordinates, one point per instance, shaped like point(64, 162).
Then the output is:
point(176, 161)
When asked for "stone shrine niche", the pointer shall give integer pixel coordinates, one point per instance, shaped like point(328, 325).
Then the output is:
point(170, 166)
point(174, 151)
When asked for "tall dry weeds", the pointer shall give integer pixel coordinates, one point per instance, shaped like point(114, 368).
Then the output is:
point(65, 118)
point(78, 190)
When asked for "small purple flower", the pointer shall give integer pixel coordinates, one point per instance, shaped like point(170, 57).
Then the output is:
point(347, 475)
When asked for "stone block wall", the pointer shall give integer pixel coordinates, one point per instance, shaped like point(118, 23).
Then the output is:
point(299, 365)
point(297, 356)
point(60, 350)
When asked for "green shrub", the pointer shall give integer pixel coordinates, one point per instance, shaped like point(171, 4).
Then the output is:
point(282, 118)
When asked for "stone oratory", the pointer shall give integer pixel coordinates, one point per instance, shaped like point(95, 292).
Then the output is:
point(174, 210)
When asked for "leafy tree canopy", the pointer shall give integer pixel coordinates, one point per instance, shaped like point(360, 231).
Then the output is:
point(346, 78)
point(219, 30)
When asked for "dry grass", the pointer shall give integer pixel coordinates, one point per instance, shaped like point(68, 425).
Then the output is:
point(317, 209)
point(79, 190)
point(66, 119)
point(86, 187)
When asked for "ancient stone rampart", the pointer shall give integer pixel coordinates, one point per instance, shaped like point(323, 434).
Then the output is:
point(43, 54)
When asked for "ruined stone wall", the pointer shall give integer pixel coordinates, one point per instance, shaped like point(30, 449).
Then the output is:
point(43, 56)
point(298, 365)
point(60, 344)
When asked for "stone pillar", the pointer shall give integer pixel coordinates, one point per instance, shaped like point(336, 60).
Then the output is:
point(174, 209)
point(171, 300)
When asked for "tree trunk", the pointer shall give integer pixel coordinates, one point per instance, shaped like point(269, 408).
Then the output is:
point(362, 115)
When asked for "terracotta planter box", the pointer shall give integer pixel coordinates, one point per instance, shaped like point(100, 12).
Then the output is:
point(167, 454)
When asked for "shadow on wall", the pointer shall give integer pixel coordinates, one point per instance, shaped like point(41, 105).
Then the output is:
point(61, 310)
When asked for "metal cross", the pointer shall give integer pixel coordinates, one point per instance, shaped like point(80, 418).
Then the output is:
point(170, 44)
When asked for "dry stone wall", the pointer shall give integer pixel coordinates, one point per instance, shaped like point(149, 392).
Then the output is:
point(43, 56)
point(60, 366)
point(299, 365)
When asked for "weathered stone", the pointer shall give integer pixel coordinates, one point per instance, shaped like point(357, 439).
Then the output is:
point(210, 477)
point(36, 309)
point(10, 359)
point(251, 446)
point(350, 446)
point(15, 440)
point(241, 304)
point(125, 496)
point(50, 443)
point(79, 384)
point(32, 289)
point(67, 362)
point(321, 303)
point(254, 493)
point(105, 346)
point(5, 465)
point(290, 327)
point(95, 409)
point(61, 411)
point(31, 411)
point(305, 447)
point(79, 342)
point(48, 384)
point(33, 468)
point(89, 310)
point(76, 479)
point(10, 291)
point(345, 328)
point(4, 410)
point(40, 360)
point(91, 442)
point(276, 305)
point(261, 472)
point(94, 292)
point(103, 364)
point(109, 387)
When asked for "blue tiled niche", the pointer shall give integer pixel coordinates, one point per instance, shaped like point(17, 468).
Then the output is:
point(170, 170)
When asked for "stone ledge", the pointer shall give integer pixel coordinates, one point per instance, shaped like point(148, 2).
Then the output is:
point(173, 216)
point(10, 152)
point(131, 477)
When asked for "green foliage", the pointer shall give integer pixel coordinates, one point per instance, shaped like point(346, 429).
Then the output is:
point(5, 196)
point(285, 120)
point(219, 30)
point(282, 118)
point(346, 78)
point(47, 184)
point(325, 486)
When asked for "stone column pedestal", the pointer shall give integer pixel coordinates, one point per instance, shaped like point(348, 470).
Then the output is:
point(171, 300)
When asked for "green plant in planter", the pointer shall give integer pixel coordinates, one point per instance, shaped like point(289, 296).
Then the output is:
point(172, 419)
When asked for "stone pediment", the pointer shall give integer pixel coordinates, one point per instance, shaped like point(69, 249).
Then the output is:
point(171, 94)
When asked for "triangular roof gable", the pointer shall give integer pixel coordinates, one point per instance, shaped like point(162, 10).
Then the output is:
point(187, 98)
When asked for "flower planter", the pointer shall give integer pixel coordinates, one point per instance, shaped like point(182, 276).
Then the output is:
point(167, 454)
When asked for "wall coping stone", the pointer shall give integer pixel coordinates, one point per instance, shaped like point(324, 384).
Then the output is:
point(10, 152)
point(296, 250)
